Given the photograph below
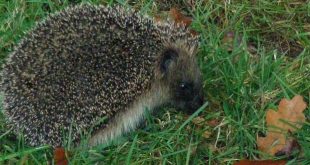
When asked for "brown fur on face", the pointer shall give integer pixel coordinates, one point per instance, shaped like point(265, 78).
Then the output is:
point(179, 72)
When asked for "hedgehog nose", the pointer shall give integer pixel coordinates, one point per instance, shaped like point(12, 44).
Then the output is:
point(197, 102)
point(200, 100)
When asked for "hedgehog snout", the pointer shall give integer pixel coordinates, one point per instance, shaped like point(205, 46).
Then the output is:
point(196, 103)
point(189, 99)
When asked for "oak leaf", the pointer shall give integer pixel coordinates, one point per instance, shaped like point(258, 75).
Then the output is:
point(287, 119)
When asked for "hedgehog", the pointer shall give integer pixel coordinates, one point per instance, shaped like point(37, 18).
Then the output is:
point(97, 69)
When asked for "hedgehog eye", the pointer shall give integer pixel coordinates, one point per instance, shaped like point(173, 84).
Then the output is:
point(184, 86)
point(167, 57)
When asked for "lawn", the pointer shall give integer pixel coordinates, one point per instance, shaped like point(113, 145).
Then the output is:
point(252, 54)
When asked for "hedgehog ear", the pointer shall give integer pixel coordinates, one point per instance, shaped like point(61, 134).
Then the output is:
point(167, 57)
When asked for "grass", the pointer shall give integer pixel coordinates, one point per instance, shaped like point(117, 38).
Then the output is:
point(267, 59)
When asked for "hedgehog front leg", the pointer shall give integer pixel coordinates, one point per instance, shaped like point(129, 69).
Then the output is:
point(120, 124)
point(129, 119)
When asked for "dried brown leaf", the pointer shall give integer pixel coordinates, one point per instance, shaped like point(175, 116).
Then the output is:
point(60, 156)
point(288, 118)
point(290, 111)
point(179, 18)
point(260, 162)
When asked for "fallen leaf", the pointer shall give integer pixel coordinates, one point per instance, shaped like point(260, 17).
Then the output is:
point(288, 118)
point(60, 156)
point(288, 149)
point(260, 162)
point(176, 17)
point(290, 111)
point(272, 143)
point(179, 18)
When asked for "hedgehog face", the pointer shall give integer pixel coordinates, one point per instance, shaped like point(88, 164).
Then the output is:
point(183, 79)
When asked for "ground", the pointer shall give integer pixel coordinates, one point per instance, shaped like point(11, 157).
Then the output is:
point(252, 54)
